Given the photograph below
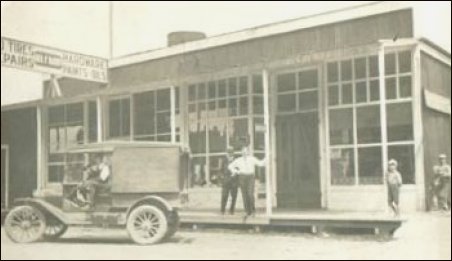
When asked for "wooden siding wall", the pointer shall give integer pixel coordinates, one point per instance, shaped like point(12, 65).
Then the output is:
point(259, 51)
point(437, 126)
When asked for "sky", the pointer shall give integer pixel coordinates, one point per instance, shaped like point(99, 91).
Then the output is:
point(139, 26)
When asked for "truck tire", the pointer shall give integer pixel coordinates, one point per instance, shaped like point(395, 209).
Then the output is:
point(25, 224)
point(147, 225)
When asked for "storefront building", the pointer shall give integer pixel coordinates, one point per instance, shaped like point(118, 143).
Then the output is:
point(326, 99)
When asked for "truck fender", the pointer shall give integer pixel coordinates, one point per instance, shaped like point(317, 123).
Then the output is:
point(46, 208)
point(152, 200)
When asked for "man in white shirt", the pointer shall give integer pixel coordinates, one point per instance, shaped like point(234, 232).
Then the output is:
point(244, 167)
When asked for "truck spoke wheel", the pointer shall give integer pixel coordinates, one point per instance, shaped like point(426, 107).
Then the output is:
point(147, 225)
point(55, 230)
point(25, 224)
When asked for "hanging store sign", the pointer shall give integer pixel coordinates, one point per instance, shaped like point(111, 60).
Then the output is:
point(32, 57)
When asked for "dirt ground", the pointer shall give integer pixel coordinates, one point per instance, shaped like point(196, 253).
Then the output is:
point(424, 236)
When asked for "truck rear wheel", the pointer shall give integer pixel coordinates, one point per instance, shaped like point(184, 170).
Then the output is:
point(25, 224)
point(147, 225)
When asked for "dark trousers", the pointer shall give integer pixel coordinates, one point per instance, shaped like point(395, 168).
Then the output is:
point(230, 187)
point(246, 183)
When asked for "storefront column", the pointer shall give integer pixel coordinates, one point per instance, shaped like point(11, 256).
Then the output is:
point(383, 110)
point(418, 129)
point(268, 176)
point(100, 120)
point(41, 151)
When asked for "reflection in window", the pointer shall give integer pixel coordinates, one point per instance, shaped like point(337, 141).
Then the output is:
point(342, 167)
point(238, 133)
point(217, 136)
point(341, 126)
point(370, 166)
point(368, 124)
point(197, 137)
point(400, 122)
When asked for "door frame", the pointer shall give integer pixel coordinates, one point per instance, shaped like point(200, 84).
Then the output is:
point(322, 114)
point(6, 149)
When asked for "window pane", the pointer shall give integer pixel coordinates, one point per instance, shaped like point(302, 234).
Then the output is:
point(217, 136)
point(391, 89)
point(374, 90)
point(258, 86)
point(258, 105)
point(75, 112)
point(164, 100)
point(333, 72)
point(164, 138)
point(114, 118)
point(370, 166)
point(308, 101)
point(308, 80)
point(212, 90)
point(232, 86)
point(163, 122)
point(144, 113)
point(222, 108)
point(238, 133)
point(341, 126)
point(92, 122)
point(125, 107)
point(361, 92)
point(373, 66)
point(347, 94)
point(333, 95)
point(202, 93)
point(346, 70)
point(405, 62)
point(360, 68)
point(400, 122)
point(75, 135)
point(198, 178)
point(243, 85)
point(405, 86)
point(56, 174)
point(405, 157)
point(342, 167)
point(244, 105)
point(286, 82)
point(390, 64)
point(192, 92)
point(368, 124)
point(259, 134)
point(197, 137)
point(233, 107)
point(56, 115)
point(287, 102)
point(222, 88)
point(57, 139)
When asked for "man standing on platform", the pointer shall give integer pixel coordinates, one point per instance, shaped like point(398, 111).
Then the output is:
point(245, 167)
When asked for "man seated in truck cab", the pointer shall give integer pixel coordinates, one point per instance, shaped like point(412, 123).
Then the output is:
point(95, 176)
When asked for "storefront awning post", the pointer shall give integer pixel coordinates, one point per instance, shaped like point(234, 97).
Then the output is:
point(268, 185)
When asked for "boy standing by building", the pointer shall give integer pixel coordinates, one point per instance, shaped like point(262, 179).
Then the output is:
point(442, 174)
point(394, 182)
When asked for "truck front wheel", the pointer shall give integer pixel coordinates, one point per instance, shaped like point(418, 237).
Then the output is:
point(147, 225)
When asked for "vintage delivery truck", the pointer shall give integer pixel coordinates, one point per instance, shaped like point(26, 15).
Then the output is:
point(138, 187)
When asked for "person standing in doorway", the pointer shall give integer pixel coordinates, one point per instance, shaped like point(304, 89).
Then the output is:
point(394, 182)
point(229, 184)
point(245, 167)
point(442, 173)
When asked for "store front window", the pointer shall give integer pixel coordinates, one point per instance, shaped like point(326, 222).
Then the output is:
point(355, 140)
point(68, 128)
point(223, 113)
